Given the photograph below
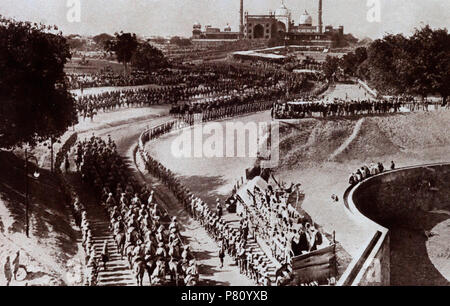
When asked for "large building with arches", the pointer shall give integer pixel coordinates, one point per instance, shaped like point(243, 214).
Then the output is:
point(277, 25)
point(266, 27)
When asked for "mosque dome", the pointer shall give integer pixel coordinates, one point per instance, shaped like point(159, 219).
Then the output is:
point(282, 10)
point(305, 19)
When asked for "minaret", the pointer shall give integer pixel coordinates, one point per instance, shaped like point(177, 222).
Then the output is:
point(320, 17)
point(241, 16)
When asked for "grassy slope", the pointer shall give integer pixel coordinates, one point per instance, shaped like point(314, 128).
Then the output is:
point(53, 240)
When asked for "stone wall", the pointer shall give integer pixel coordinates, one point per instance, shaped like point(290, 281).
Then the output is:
point(392, 200)
point(397, 197)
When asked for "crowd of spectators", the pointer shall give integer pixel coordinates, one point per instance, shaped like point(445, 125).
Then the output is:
point(279, 224)
point(367, 171)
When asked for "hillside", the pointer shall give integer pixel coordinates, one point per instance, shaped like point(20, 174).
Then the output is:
point(409, 136)
point(321, 154)
point(51, 250)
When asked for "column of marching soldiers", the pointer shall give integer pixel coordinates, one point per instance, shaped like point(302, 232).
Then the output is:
point(144, 233)
point(201, 89)
point(312, 106)
point(218, 88)
point(231, 241)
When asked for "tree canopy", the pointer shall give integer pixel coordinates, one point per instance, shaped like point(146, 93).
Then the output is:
point(330, 67)
point(101, 39)
point(34, 101)
point(123, 45)
point(352, 60)
point(148, 58)
point(417, 65)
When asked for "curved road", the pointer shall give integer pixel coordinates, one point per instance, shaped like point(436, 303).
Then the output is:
point(126, 136)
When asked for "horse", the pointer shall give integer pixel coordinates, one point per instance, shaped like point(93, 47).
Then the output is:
point(150, 266)
point(175, 270)
point(191, 280)
point(159, 274)
point(174, 251)
point(119, 238)
point(129, 252)
point(139, 268)
point(132, 236)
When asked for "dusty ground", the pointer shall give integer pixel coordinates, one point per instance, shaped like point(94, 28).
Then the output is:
point(210, 177)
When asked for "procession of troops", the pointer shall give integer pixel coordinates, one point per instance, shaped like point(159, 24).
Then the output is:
point(212, 87)
point(270, 218)
point(230, 240)
point(144, 233)
point(312, 106)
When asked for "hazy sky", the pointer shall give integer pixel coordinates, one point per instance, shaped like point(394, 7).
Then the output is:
point(176, 17)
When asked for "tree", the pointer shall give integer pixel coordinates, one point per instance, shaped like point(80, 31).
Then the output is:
point(385, 58)
point(351, 61)
point(330, 67)
point(148, 58)
point(123, 46)
point(34, 101)
point(75, 41)
point(418, 65)
point(101, 39)
point(429, 67)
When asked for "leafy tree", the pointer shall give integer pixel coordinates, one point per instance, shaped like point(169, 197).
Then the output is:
point(385, 56)
point(34, 101)
point(76, 43)
point(148, 58)
point(330, 67)
point(429, 62)
point(351, 61)
point(101, 39)
point(124, 46)
point(418, 65)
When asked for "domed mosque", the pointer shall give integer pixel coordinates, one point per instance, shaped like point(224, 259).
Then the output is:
point(305, 19)
point(275, 25)
point(282, 10)
point(283, 17)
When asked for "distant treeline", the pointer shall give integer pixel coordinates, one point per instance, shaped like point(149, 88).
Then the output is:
point(417, 65)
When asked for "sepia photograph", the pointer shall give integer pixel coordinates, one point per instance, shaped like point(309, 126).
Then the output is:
point(200, 145)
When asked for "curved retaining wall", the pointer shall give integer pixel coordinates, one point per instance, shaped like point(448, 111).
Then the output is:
point(383, 201)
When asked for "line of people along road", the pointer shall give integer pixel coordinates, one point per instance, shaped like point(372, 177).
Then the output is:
point(311, 106)
point(231, 241)
point(144, 233)
point(217, 85)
